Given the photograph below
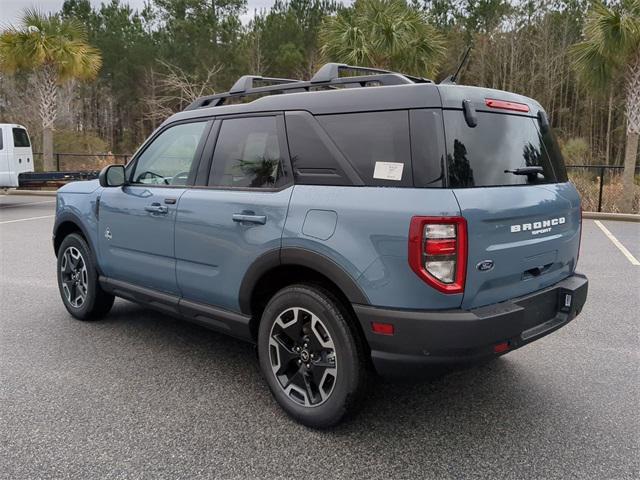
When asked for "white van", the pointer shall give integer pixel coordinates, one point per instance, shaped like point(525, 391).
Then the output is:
point(16, 156)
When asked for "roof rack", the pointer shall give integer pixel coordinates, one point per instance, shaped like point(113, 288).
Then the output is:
point(331, 71)
point(327, 76)
point(246, 82)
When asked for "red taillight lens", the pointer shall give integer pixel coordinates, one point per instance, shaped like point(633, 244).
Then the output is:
point(580, 237)
point(438, 251)
point(504, 105)
point(440, 247)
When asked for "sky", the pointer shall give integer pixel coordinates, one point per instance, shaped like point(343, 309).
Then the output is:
point(10, 10)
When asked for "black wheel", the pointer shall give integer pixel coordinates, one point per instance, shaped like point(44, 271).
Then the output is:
point(78, 280)
point(311, 356)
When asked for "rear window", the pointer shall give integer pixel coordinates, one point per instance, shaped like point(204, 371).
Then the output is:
point(491, 153)
point(20, 138)
point(247, 154)
point(376, 144)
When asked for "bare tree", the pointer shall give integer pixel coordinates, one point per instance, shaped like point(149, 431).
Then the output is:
point(174, 89)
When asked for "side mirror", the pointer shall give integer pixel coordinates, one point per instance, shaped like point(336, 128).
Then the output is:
point(112, 176)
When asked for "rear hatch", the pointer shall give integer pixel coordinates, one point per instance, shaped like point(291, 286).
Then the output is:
point(523, 217)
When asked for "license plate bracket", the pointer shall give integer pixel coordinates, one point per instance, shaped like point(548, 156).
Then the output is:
point(565, 300)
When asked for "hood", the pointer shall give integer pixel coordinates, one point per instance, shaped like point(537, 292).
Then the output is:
point(86, 186)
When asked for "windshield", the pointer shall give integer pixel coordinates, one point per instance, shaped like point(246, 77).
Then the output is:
point(500, 151)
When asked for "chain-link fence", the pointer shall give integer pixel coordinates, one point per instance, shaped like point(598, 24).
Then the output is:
point(601, 188)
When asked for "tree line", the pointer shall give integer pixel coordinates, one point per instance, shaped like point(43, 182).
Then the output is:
point(578, 58)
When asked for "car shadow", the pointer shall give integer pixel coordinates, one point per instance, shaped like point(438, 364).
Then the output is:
point(458, 403)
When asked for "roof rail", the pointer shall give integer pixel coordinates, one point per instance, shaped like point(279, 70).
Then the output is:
point(327, 76)
point(330, 72)
point(246, 82)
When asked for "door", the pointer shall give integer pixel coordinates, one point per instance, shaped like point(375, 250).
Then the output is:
point(137, 221)
point(523, 217)
point(225, 225)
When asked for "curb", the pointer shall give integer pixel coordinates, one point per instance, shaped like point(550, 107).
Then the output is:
point(623, 217)
point(35, 193)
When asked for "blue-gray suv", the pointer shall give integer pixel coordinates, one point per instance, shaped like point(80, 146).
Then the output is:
point(362, 221)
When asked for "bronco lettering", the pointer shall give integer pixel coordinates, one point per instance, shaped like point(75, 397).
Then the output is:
point(538, 227)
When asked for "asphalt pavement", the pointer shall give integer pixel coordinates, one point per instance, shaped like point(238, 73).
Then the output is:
point(143, 395)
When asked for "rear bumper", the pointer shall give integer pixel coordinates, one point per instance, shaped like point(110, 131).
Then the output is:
point(423, 338)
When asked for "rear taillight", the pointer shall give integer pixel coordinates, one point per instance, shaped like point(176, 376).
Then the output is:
point(438, 251)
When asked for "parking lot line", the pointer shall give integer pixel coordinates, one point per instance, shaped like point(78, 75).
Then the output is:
point(25, 219)
point(25, 204)
point(617, 243)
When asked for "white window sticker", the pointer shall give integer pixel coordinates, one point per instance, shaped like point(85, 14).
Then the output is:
point(388, 171)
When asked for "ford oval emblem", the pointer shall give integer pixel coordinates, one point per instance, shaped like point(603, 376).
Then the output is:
point(485, 265)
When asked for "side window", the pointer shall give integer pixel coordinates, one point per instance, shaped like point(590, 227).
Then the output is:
point(20, 138)
point(1, 146)
point(376, 144)
point(168, 160)
point(247, 154)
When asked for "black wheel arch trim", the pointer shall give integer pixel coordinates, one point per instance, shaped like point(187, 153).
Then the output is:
point(69, 217)
point(302, 257)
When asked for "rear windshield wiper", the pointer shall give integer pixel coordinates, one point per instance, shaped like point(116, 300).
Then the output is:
point(529, 171)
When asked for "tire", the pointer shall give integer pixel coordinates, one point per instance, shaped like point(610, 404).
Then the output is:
point(78, 283)
point(311, 356)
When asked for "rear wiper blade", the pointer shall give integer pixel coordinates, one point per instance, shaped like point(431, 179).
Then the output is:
point(530, 171)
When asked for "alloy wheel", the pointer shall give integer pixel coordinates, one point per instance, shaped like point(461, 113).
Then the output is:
point(74, 277)
point(303, 357)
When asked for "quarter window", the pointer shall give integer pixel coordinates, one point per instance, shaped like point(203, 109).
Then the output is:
point(247, 154)
point(313, 156)
point(376, 144)
point(169, 158)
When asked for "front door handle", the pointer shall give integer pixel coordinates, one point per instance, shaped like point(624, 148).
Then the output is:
point(249, 218)
point(156, 208)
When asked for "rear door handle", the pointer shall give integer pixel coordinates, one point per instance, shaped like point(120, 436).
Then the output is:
point(249, 218)
point(156, 208)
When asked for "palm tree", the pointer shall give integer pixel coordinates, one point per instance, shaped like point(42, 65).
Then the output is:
point(385, 34)
point(54, 51)
point(611, 50)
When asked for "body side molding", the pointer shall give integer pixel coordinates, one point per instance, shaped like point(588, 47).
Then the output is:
point(230, 323)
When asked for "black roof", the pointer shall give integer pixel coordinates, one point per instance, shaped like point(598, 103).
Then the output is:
point(327, 92)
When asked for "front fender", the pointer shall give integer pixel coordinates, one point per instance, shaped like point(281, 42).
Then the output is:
point(81, 211)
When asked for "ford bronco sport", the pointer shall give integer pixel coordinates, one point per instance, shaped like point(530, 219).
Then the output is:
point(346, 224)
